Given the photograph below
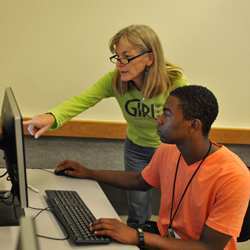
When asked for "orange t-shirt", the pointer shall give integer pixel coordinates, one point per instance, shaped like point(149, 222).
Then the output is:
point(218, 195)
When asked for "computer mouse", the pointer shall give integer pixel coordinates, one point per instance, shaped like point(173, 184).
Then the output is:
point(62, 172)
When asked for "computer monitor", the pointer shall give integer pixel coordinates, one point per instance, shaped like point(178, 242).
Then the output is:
point(13, 201)
point(27, 235)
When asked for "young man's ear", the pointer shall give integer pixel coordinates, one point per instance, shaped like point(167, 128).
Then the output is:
point(196, 124)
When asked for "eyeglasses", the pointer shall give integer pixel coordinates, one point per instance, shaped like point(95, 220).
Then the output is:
point(116, 58)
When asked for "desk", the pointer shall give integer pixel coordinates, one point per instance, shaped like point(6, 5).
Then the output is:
point(46, 224)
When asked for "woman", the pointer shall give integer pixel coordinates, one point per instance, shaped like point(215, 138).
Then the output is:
point(140, 83)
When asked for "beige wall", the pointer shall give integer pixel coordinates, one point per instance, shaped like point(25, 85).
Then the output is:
point(53, 49)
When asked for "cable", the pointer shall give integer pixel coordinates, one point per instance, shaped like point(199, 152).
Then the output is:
point(33, 189)
point(1, 176)
point(38, 208)
point(52, 238)
point(46, 209)
point(46, 170)
point(46, 236)
point(41, 210)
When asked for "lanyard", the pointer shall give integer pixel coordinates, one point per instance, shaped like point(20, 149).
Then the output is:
point(172, 215)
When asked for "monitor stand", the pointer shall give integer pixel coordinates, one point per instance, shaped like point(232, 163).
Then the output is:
point(10, 212)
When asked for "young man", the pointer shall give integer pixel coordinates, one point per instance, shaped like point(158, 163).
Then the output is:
point(205, 188)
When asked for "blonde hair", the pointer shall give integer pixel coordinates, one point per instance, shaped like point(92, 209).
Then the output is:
point(159, 77)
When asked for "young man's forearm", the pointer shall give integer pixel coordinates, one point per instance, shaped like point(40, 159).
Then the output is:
point(120, 179)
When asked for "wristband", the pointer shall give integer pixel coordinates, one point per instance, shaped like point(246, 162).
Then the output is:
point(141, 243)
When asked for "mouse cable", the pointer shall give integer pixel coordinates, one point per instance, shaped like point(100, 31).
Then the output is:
point(46, 170)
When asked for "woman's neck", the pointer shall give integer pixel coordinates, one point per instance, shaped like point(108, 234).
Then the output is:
point(138, 82)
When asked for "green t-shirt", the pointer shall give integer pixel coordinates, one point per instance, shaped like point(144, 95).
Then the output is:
point(140, 113)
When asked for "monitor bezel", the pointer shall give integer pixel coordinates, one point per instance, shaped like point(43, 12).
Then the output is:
point(20, 152)
point(19, 187)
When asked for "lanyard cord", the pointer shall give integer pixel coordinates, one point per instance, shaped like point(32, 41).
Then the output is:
point(176, 171)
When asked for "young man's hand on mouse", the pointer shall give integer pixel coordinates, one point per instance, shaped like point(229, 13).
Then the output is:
point(73, 168)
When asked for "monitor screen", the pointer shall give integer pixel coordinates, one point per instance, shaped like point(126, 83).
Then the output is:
point(12, 202)
point(27, 235)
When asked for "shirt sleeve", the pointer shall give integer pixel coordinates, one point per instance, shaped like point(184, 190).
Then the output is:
point(77, 104)
point(151, 173)
point(232, 197)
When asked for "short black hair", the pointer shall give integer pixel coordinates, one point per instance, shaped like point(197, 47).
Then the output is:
point(198, 102)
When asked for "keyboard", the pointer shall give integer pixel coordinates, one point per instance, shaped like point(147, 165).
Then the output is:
point(75, 217)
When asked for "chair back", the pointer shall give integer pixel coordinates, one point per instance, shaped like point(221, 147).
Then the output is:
point(245, 229)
